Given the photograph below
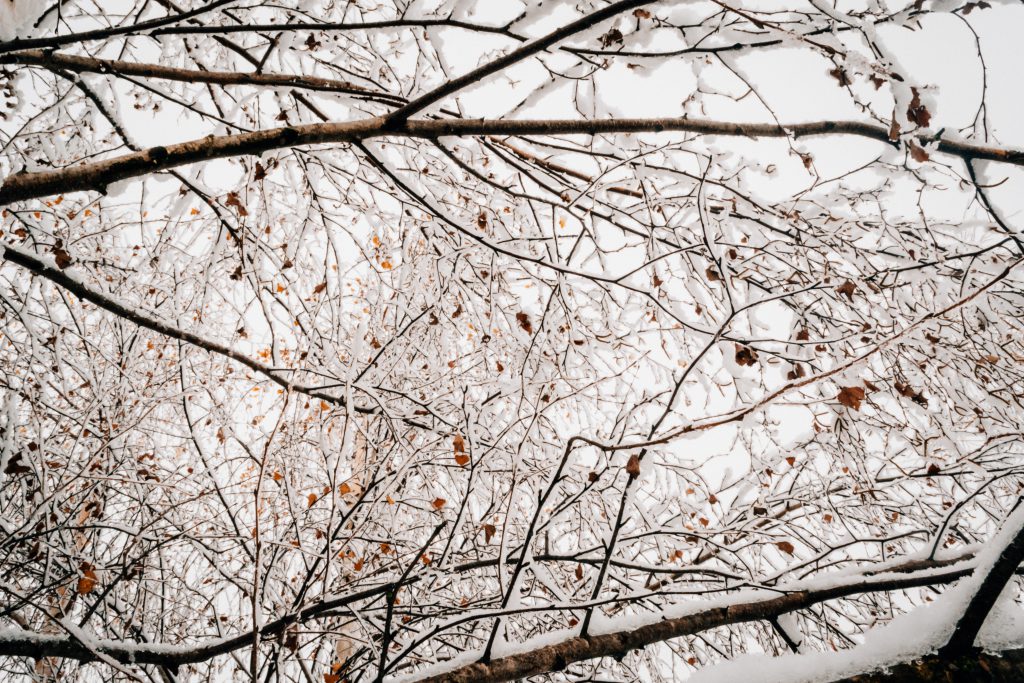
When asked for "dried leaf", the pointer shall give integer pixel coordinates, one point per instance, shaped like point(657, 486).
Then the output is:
point(847, 289)
point(633, 466)
point(614, 36)
point(851, 397)
point(439, 503)
point(87, 582)
point(839, 73)
point(489, 531)
point(524, 322)
point(745, 355)
point(61, 257)
point(916, 111)
point(917, 153)
point(786, 547)
point(894, 129)
point(234, 201)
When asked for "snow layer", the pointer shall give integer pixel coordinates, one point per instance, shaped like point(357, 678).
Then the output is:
point(17, 17)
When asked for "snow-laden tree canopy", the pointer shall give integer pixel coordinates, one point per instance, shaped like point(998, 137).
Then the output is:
point(455, 340)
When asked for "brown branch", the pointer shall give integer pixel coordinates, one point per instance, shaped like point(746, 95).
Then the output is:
point(1002, 667)
point(102, 33)
point(400, 116)
point(538, 661)
point(97, 176)
point(36, 265)
point(973, 618)
point(79, 64)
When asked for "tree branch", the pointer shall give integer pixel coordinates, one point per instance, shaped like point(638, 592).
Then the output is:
point(984, 599)
point(97, 176)
point(21, 643)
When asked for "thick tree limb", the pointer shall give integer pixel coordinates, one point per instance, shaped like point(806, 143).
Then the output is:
point(1004, 667)
point(97, 176)
point(20, 643)
point(962, 640)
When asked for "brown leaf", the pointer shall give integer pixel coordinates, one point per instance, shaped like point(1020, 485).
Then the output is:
point(579, 572)
point(459, 443)
point(745, 355)
point(917, 153)
point(851, 397)
point(641, 14)
point(15, 466)
point(894, 129)
point(712, 274)
point(524, 322)
point(320, 287)
point(489, 531)
point(786, 547)
point(62, 257)
point(234, 201)
point(633, 466)
point(847, 289)
point(917, 112)
point(260, 173)
point(611, 38)
point(462, 459)
point(87, 582)
point(839, 73)
point(439, 503)
point(934, 469)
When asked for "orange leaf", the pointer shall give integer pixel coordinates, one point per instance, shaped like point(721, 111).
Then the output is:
point(462, 459)
point(88, 580)
point(439, 503)
point(786, 547)
point(459, 443)
point(312, 498)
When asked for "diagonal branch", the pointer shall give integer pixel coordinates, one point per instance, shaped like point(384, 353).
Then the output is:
point(400, 116)
point(102, 33)
point(36, 265)
point(984, 599)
